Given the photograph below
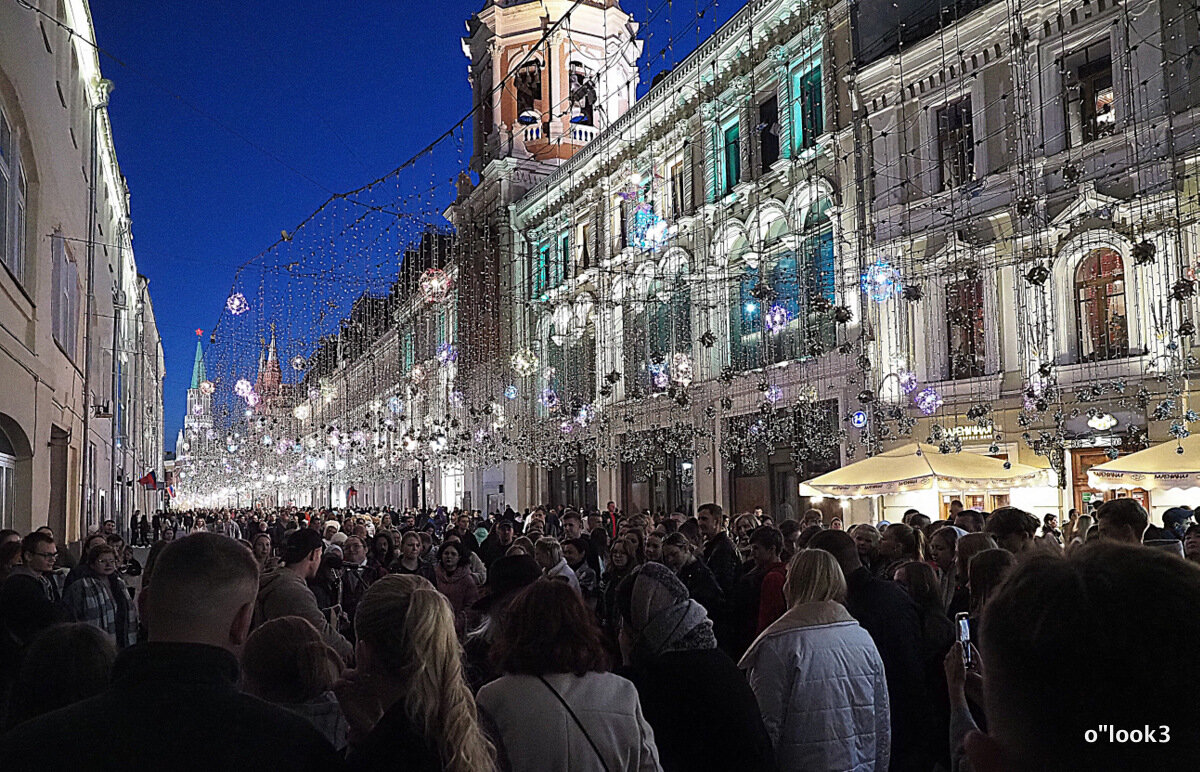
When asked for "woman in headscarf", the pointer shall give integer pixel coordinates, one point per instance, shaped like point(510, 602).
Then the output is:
point(684, 681)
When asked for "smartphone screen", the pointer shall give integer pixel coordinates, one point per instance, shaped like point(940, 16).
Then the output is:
point(963, 620)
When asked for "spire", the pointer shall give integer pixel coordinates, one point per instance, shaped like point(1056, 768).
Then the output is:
point(198, 374)
point(272, 375)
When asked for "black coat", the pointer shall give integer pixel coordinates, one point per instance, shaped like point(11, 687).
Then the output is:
point(890, 616)
point(170, 706)
point(703, 713)
point(721, 556)
point(702, 587)
point(393, 744)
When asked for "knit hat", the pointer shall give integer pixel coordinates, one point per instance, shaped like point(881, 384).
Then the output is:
point(339, 538)
point(656, 605)
point(333, 523)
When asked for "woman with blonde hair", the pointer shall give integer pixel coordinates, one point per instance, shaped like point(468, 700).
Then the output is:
point(286, 662)
point(818, 677)
point(407, 702)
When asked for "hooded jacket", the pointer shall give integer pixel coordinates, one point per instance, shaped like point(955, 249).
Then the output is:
point(284, 593)
point(821, 688)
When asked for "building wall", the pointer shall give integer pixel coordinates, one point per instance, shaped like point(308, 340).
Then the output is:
point(50, 93)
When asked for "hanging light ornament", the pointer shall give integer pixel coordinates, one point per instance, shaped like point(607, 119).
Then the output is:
point(207, 387)
point(447, 353)
point(681, 369)
point(418, 373)
point(253, 399)
point(929, 400)
point(524, 362)
point(549, 399)
point(510, 392)
point(298, 363)
point(776, 318)
point(881, 281)
point(658, 375)
point(198, 409)
point(435, 285)
point(585, 415)
point(773, 394)
point(302, 412)
point(236, 304)
point(243, 388)
point(908, 381)
point(395, 405)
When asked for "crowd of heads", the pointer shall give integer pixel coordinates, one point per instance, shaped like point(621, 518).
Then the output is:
point(432, 607)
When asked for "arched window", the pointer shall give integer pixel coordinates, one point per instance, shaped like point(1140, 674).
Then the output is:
point(8, 479)
point(1101, 324)
point(528, 82)
point(746, 323)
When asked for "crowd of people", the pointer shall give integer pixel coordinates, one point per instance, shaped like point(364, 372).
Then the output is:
point(554, 639)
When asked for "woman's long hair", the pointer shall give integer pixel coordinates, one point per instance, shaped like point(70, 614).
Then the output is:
point(411, 625)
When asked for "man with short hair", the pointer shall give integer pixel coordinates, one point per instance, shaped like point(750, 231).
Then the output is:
point(956, 506)
point(1121, 603)
point(496, 545)
point(462, 528)
point(357, 576)
point(970, 520)
point(29, 597)
point(889, 615)
point(174, 701)
point(1012, 528)
point(108, 527)
point(284, 592)
point(720, 554)
point(812, 517)
point(1122, 520)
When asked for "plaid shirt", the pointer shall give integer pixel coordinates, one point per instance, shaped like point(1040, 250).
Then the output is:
point(89, 599)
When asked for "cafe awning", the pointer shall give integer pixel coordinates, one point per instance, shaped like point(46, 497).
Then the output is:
point(917, 467)
point(1161, 467)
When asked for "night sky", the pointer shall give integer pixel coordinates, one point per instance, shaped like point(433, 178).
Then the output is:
point(233, 121)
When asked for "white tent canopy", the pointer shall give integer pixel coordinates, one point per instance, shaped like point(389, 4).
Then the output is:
point(917, 467)
point(1161, 467)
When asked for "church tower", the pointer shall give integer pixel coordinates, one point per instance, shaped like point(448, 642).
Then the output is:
point(546, 99)
point(199, 419)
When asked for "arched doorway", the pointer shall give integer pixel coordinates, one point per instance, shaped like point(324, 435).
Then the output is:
point(16, 458)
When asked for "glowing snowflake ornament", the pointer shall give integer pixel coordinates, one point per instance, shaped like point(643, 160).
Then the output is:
point(510, 392)
point(435, 285)
point(207, 387)
point(243, 388)
point(881, 282)
point(236, 304)
point(447, 353)
point(298, 363)
point(549, 398)
point(777, 318)
point(395, 405)
point(659, 376)
point(929, 400)
point(908, 381)
point(773, 394)
point(524, 362)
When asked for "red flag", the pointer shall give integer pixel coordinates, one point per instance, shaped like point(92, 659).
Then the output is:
point(150, 480)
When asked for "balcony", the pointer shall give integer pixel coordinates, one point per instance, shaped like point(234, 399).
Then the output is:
point(583, 134)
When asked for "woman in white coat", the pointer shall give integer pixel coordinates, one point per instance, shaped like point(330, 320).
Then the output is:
point(556, 707)
point(818, 677)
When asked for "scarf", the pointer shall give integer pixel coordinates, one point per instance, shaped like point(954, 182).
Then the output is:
point(664, 617)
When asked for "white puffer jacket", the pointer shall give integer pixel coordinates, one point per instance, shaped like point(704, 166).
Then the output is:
point(822, 691)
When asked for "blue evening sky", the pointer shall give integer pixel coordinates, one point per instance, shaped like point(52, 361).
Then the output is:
point(293, 101)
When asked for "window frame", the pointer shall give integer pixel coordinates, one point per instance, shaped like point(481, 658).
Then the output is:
point(1102, 302)
point(962, 145)
point(807, 112)
point(731, 163)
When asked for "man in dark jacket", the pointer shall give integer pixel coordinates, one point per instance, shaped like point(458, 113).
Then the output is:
point(174, 701)
point(889, 615)
point(498, 541)
point(720, 554)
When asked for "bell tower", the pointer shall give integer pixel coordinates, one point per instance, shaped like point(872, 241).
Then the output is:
point(545, 99)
